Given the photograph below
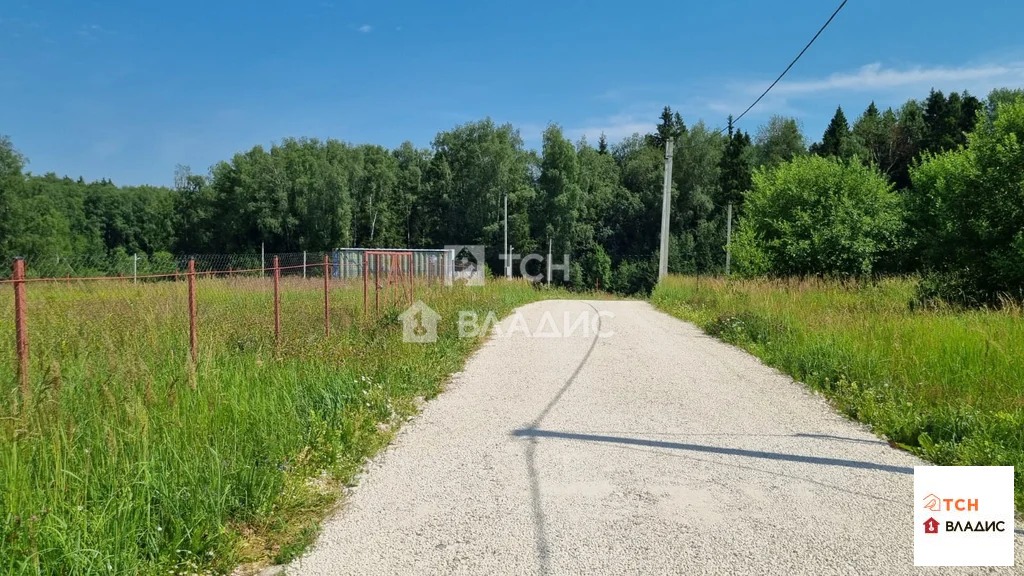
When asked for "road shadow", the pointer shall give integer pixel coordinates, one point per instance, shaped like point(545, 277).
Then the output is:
point(730, 435)
point(539, 526)
point(719, 462)
point(706, 449)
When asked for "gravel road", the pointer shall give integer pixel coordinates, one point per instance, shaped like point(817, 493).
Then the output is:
point(653, 449)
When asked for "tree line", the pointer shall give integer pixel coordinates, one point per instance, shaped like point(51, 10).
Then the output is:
point(867, 198)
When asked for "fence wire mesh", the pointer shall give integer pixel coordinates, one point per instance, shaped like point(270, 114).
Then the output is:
point(131, 323)
point(346, 263)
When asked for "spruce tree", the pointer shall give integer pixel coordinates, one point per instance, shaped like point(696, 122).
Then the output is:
point(837, 138)
point(671, 126)
point(735, 170)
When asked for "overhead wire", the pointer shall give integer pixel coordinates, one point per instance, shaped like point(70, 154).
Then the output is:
point(791, 64)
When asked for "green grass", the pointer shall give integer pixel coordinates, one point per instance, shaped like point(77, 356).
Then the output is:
point(947, 385)
point(127, 459)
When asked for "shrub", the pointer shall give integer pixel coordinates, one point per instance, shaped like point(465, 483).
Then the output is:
point(817, 216)
point(971, 206)
point(635, 276)
point(593, 269)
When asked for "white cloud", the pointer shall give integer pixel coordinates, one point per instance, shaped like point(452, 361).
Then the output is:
point(885, 85)
point(806, 97)
point(876, 77)
point(365, 28)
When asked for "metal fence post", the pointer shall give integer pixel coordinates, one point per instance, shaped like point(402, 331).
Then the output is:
point(193, 341)
point(135, 269)
point(21, 327)
point(303, 264)
point(277, 302)
point(394, 276)
point(327, 295)
point(412, 281)
point(366, 279)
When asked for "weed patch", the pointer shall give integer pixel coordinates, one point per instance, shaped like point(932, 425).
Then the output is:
point(127, 459)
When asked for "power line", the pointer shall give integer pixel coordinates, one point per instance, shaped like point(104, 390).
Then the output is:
point(765, 93)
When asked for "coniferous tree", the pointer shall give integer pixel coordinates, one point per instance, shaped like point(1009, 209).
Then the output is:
point(735, 169)
point(837, 140)
point(940, 121)
point(671, 126)
point(949, 120)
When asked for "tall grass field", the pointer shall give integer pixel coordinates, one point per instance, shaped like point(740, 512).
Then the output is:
point(128, 459)
point(947, 385)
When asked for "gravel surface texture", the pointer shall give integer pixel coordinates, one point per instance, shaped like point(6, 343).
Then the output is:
point(650, 449)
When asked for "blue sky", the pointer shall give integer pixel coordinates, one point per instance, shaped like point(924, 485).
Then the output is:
point(127, 90)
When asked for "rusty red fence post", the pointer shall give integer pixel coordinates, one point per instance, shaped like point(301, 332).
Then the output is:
point(327, 295)
point(393, 276)
point(412, 279)
point(277, 302)
point(193, 340)
point(21, 327)
point(376, 285)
